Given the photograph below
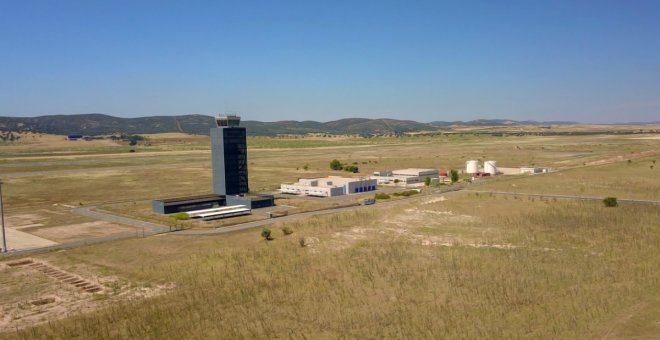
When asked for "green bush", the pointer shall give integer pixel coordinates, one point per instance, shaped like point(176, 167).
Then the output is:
point(336, 165)
point(381, 196)
point(610, 202)
point(351, 168)
point(181, 216)
point(267, 234)
point(454, 176)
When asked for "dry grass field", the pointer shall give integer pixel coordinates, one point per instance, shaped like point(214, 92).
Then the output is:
point(454, 265)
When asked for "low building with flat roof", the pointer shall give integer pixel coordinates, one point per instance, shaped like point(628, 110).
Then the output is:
point(251, 201)
point(532, 170)
point(329, 186)
point(405, 176)
point(188, 203)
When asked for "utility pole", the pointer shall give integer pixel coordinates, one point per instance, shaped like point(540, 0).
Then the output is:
point(2, 218)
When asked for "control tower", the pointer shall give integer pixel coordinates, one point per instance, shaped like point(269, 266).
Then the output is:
point(229, 156)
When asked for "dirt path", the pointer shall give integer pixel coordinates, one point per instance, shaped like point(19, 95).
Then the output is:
point(622, 319)
point(567, 197)
point(621, 158)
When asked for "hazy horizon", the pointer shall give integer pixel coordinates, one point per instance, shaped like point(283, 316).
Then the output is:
point(247, 118)
point(423, 61)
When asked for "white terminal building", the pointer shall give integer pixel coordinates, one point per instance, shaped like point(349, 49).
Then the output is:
point(329, 186)
point(405, 176)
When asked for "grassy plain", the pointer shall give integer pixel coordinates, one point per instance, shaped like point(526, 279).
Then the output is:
point(639, 179)
point(463, 266)
point(514, 269)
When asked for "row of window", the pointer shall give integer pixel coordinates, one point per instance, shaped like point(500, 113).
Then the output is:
point(367, 188)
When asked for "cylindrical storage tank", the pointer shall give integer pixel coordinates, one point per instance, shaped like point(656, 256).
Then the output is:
point(472, 167)
point(490, 167)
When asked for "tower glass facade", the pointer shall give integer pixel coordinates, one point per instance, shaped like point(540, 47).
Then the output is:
point(229, 158)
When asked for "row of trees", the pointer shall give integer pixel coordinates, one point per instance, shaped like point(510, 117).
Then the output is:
point(337, 165)
point(453, 175)
point(132, 139)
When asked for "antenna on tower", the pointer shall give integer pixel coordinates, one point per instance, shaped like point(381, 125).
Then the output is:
point(228, 119)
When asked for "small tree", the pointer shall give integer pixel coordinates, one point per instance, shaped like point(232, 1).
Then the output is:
point(396, 181)
point(335, 165)
point(610, 202)
point(427, 181)
point(454, 176)
point(287, 230)
point(266, 233)
point(133, 139)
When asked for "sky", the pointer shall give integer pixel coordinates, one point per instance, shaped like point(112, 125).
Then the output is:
point(586, 61)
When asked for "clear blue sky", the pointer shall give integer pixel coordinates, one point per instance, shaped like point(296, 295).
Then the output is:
point(589, 61)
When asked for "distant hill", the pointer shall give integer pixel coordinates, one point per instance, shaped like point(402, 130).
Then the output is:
point(500, 122)
point(95, 124)
point(100, 124)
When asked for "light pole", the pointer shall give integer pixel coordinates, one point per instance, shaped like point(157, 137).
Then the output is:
point(2, 218)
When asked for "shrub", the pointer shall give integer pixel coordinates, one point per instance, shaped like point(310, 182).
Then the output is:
point(351, 168)
point(406, 193)
point(396, 180)
point(427, 181)
point(287, 230)
point(181, 216)
point(266, 233)
point(335, 165)
point(610, 202)
point(381, 196)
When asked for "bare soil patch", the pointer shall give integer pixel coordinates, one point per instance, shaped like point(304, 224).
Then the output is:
point(34, 292)
point(72, 232)
point(23, 220)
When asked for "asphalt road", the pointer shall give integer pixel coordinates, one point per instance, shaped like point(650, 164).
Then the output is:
point(149, 228)
point(144, 229)
point(261, 223)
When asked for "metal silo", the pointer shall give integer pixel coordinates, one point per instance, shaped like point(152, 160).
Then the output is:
point(490, 167)
point(472, 167)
